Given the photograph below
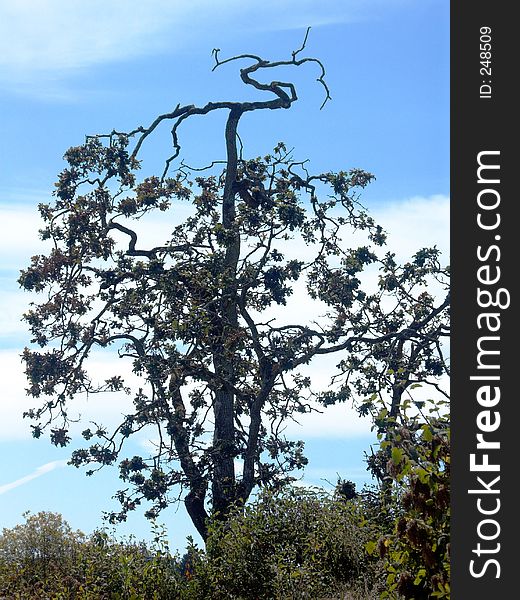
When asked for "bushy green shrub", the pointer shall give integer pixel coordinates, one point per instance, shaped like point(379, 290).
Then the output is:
point(293, 544)
point(39, 553)
point(44, 558)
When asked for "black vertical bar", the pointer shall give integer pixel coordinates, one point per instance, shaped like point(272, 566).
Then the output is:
point(485, 349)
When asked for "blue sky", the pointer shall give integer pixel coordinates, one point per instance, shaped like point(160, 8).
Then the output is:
point(70, 68)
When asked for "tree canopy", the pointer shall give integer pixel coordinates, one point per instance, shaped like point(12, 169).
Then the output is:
point(197, 315)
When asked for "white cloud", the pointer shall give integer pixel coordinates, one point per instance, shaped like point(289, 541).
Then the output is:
point(13, 399)
point(338, 421)
point(21, 222)
point(416, 223)
point(19, 240)
point(12, 305)
point(106, 408)
point(46, 468)
point(412, 224)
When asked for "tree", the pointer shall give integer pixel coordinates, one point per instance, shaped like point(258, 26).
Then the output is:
point(36, 552)
point(412, 462)
point(194, 313)
point(406, 350)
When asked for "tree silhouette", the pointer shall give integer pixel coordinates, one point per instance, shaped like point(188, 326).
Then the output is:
point(194, 314)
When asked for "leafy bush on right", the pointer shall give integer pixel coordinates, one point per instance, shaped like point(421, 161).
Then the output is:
point(417, 551)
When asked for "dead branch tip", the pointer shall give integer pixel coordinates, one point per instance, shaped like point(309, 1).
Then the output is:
point(295, 52)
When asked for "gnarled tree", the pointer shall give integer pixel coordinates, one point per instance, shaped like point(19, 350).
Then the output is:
point(194, 315)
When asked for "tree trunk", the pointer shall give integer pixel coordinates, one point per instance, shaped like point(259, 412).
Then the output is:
point(194, 500)
point(223, 488)
point(194, 503)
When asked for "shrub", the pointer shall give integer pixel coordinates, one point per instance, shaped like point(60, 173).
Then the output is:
point(44, 558)
point(293, 544)
point(417, 551)
point(37, 553)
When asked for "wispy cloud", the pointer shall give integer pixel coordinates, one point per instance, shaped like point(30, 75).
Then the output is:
point(59, 35)
point(38, 472)
point(42, 42)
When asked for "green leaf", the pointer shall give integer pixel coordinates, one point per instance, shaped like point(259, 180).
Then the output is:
point(370, 547)
point(421, 573)
point(422, 474)
point(397, 455)
point(427, 433)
